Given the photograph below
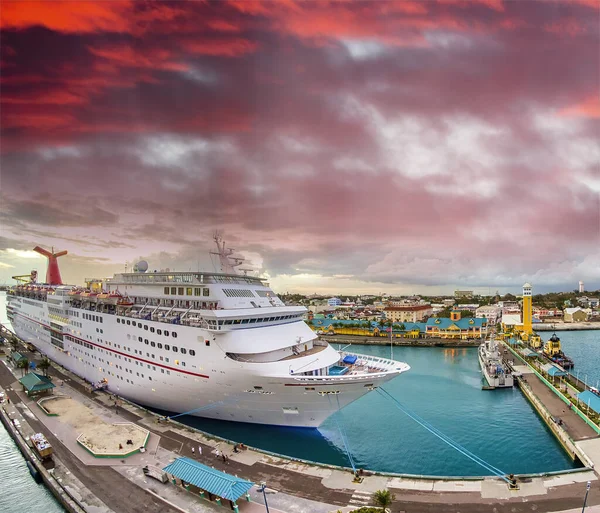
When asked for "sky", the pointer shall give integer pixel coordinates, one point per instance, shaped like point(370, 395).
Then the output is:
point(342, 147)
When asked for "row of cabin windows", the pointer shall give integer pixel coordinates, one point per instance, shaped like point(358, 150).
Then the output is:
point(252, 321)
point(90, 317)
point(167, 347)
point(186, 291)
point(152, 329)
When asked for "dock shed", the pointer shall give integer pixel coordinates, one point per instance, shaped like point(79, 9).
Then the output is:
point(35, 384)
point(208, 479)
point(553, 371)
point(529, 353)
point(590, 398)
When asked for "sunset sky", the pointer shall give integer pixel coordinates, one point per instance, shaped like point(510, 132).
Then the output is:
point(400, 147)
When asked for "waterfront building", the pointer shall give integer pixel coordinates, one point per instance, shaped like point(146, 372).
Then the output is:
point(490, 312)
point(456, 328)
point(409, 313)
point(575, 315)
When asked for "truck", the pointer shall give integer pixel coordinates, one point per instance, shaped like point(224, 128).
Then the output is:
point(41, 446)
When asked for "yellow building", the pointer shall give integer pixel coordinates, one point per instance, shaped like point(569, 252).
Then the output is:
point(527, 309)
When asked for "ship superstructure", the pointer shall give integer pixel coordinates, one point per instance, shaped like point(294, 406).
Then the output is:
point(494, 371)
point(220, 344)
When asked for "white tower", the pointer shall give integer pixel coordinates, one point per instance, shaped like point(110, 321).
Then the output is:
point(581, 288)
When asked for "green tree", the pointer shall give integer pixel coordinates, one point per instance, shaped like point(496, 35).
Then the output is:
point(23, 365)
point(44, 365)
point(465, 314)
point(383, 498)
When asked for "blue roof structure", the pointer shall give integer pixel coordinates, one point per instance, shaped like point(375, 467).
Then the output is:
point(444, 323)
point(555, 372)
point(594, 400)
point(209, 479)
point(530, 353)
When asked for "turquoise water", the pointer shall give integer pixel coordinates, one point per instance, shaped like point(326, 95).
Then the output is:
point(584, 348)
point(444, 388)
point(21, 493)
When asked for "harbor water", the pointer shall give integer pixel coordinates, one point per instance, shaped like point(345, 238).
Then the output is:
point(444, 388)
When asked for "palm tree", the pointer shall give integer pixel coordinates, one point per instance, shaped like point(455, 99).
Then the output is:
point(23, 365)
point(44, 365)
point(383, 498)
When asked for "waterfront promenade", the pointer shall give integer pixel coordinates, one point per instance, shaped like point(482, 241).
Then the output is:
point(119, 485)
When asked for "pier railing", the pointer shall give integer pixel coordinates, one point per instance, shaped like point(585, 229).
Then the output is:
point(566, 400)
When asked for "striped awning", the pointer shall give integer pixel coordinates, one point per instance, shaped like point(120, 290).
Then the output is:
point(209, 479)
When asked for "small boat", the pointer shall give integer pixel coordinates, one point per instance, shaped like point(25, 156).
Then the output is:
point(124, 301)
point(496, 374)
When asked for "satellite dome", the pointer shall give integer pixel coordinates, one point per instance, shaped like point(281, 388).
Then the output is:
point(142, 266)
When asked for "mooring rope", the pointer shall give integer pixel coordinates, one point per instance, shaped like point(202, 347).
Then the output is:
point(342, 433)
point(446, 439)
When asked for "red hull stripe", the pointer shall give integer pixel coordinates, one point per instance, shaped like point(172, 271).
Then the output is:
point(126, 355)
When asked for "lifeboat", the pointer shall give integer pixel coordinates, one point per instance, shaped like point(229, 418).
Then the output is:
point(75, 294)
point(124, 301)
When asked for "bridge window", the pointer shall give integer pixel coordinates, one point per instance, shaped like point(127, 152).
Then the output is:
point(205, 292)
point(166, 291)
point(180, 291)
point(197, 291)
point(188, 291)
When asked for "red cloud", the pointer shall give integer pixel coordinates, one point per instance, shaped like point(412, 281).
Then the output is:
point(225, 48)
point(71, 17)
point(589, 108)
point(125, 55)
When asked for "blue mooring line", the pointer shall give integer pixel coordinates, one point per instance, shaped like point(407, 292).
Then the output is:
point(443, 437)
point(206, 407)
point(342, 434)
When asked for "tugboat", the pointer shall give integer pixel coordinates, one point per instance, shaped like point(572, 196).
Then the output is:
point(495, 372)
point(553, 352)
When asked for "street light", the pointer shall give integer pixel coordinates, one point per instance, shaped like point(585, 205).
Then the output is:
point(587, 489)
point(263, 487)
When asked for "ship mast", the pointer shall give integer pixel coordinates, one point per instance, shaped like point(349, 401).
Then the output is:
point(227, 260)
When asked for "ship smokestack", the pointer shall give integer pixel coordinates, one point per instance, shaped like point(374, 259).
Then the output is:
point(53, 272)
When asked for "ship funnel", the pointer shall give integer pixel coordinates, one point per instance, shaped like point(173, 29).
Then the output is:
point(53, 272)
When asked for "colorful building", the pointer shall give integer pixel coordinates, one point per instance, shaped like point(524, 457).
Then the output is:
point(456, 328)
point(408, 313)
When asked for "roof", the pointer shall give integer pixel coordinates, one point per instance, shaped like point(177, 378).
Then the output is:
point(571, 311)
point(552, 370)
point(590, 398)
point(444, 323)
point(209, 479)
point(17, 357)
point(407, 308)
point(36, 382)
point(511, 319)
point(530, 353)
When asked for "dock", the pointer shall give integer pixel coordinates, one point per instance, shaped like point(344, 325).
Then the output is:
point(104, 485)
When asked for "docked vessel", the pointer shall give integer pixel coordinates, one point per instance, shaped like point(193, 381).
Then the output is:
point(494, 371)
point(212, 344)
point(553, 351)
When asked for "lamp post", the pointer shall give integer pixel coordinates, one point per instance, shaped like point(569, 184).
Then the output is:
point(587, 490)
point(263, 486)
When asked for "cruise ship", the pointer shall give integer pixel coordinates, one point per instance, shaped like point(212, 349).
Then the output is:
point(220, 345)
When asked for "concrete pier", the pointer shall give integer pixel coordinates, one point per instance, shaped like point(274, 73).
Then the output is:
point(107, 485)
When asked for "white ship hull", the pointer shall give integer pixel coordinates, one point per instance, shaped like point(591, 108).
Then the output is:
point(210, 382)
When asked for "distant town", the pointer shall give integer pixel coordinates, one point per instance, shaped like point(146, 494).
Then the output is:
point(464, 315)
